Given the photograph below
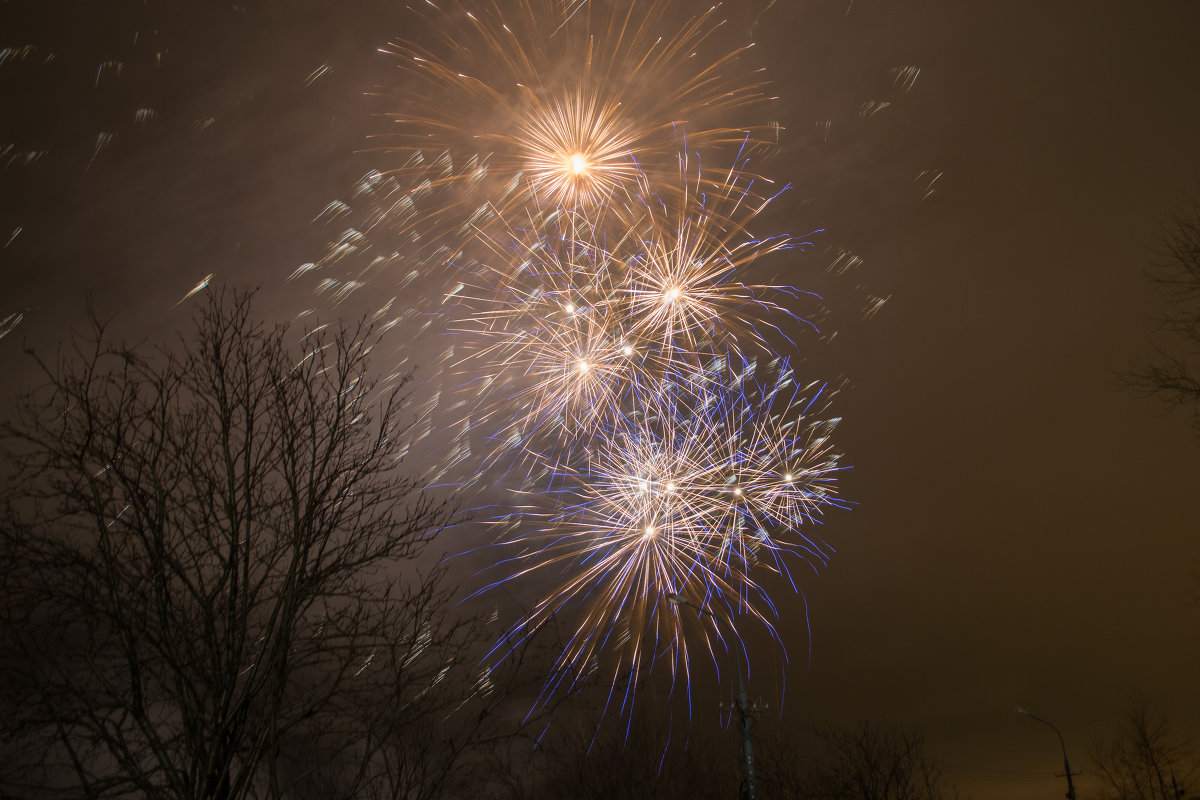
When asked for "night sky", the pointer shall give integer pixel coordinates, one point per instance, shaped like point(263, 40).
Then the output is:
point(1023, 529)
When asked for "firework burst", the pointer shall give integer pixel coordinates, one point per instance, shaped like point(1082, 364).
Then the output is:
point(595, 285)
point(710, 481)
point(685, 290)
point(580, 315)
point(566, 106)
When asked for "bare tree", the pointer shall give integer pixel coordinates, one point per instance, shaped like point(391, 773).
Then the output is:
point(1172, 374)
point(646, 763)
point(215, 579)
point(1145, 760)
point(872, 762)
point(648, 756)
point(593, 757)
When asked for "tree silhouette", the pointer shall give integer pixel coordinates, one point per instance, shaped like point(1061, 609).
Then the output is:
point(1172, 374)
point(216, 579)
point(872, 762)
point(1145, 760)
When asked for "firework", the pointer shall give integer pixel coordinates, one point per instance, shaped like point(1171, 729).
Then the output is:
point(566, 106)
point(591, 270)
point(708, 482)
point(379, 232)
point(579, 314)
point(685, 290)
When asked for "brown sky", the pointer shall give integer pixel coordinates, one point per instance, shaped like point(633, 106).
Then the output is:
point(1025, 532)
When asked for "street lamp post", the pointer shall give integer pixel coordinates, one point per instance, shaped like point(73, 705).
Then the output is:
point(1066, 761)
point(743, 704)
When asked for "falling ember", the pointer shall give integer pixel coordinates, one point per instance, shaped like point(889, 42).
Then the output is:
point(199, 287)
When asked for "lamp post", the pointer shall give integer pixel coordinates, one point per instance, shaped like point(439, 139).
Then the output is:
point(743, 705)
point(1066, 761)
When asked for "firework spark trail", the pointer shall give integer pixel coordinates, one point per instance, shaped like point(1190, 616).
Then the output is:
point(541, 317)
point(684, 289)
point(375, 246)
point(382, 226)
point(705, 483)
